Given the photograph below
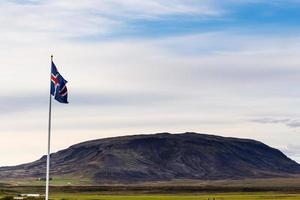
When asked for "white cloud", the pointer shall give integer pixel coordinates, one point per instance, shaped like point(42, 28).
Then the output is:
point(72, 19)
point(139, 86)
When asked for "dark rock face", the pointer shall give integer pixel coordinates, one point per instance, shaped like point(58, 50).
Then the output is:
point(162, 157)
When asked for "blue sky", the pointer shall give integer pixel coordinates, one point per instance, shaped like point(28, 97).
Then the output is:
point(252, 17)
point(145, 66)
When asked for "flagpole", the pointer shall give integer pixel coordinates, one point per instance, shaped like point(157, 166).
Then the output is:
point(49, 138)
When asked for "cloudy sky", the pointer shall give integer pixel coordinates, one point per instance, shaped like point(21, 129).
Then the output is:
point(230, 68)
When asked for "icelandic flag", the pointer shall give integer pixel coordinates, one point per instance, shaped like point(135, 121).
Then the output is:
point(58, 85)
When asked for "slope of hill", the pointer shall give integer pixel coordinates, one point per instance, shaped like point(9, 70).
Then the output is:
point(162, 157)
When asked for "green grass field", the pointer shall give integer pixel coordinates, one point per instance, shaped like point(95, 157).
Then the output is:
point(231, 196)
point(179, 196)
point(70, 189)
point(224, 196)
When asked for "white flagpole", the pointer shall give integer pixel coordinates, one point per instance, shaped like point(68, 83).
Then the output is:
point(49, 138)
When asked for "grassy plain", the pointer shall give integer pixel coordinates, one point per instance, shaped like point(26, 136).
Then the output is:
point(68, 189)
point(229, 196)
point(202, 196)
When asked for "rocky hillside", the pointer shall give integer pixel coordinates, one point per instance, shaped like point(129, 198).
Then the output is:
point(162, 157)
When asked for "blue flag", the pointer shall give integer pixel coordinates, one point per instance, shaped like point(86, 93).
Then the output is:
point(58, 85)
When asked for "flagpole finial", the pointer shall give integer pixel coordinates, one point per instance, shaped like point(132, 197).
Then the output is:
point(51, 57)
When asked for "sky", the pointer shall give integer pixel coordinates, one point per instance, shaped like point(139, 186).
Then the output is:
point(228, 68)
